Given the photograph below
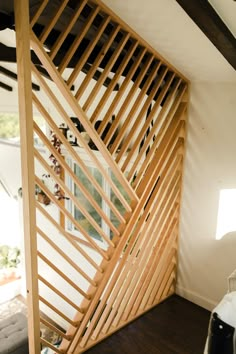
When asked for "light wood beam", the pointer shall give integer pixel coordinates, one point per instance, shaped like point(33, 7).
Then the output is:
point(27, 165)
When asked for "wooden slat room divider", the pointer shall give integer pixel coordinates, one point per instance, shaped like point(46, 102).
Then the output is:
point(131, 108)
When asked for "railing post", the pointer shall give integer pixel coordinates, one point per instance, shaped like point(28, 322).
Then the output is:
point(21, 8)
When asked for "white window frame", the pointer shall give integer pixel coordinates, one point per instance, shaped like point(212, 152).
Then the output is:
point(69, 204)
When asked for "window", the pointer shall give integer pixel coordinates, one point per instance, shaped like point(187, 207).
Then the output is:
point(226, 221)
point(10, 128)
point(78, 215)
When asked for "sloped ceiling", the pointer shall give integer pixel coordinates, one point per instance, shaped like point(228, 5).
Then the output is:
point(166, 26)
point(227, 11)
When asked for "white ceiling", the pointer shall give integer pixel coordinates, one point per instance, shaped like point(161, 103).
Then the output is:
point(166, 26)
point(226, 9)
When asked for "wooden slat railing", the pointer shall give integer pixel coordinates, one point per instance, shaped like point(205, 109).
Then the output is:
point(137, 147)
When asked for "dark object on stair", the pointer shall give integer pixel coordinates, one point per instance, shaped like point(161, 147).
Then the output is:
point(14, 335)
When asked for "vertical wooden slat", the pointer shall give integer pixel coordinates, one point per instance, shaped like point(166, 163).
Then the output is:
point(27, 162)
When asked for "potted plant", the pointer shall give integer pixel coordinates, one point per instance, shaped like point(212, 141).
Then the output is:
point(41, 196)
point(9, 260)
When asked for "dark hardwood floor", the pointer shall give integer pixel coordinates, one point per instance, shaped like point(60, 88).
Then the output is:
point(176, 326)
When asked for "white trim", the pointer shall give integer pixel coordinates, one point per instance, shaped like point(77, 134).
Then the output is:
point(196, 298)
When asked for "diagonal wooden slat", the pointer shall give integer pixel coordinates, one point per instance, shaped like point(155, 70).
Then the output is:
point(125, 145)
point(69, 26)
point(76, 157)
point(105, 72)
point(73, 198)
point(138, 153)
point(39, 12)
point(67, 258)
point(113, 83)
point(70, 217)
point(69, 238)
point(120, 94)
point(78, 40)
point(89, 50)
point(132, 278)
point(97, 62)
point(52, 23)
point(161, 140)
point(126, 103)
point(79, 112)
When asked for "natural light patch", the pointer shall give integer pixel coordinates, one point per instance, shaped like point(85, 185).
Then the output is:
point(10, 223)
point(226, 221)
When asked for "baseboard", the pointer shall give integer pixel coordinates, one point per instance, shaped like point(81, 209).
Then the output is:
point(196, 298)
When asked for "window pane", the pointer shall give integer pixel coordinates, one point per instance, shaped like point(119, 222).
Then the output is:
point(10, 129)
point(85, 203)
point(119, 206)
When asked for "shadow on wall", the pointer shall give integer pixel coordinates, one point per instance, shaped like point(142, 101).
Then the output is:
point(204, 262)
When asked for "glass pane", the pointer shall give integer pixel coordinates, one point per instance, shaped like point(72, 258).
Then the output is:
point(85, 203)
point(10, 130)
point(119, 206)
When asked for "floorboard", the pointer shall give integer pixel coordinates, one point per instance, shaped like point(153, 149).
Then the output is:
point(176, 326)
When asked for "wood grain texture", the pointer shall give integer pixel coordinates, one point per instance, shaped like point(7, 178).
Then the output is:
point(137, 149)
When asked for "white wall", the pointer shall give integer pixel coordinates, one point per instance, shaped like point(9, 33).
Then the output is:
point(210, 165)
